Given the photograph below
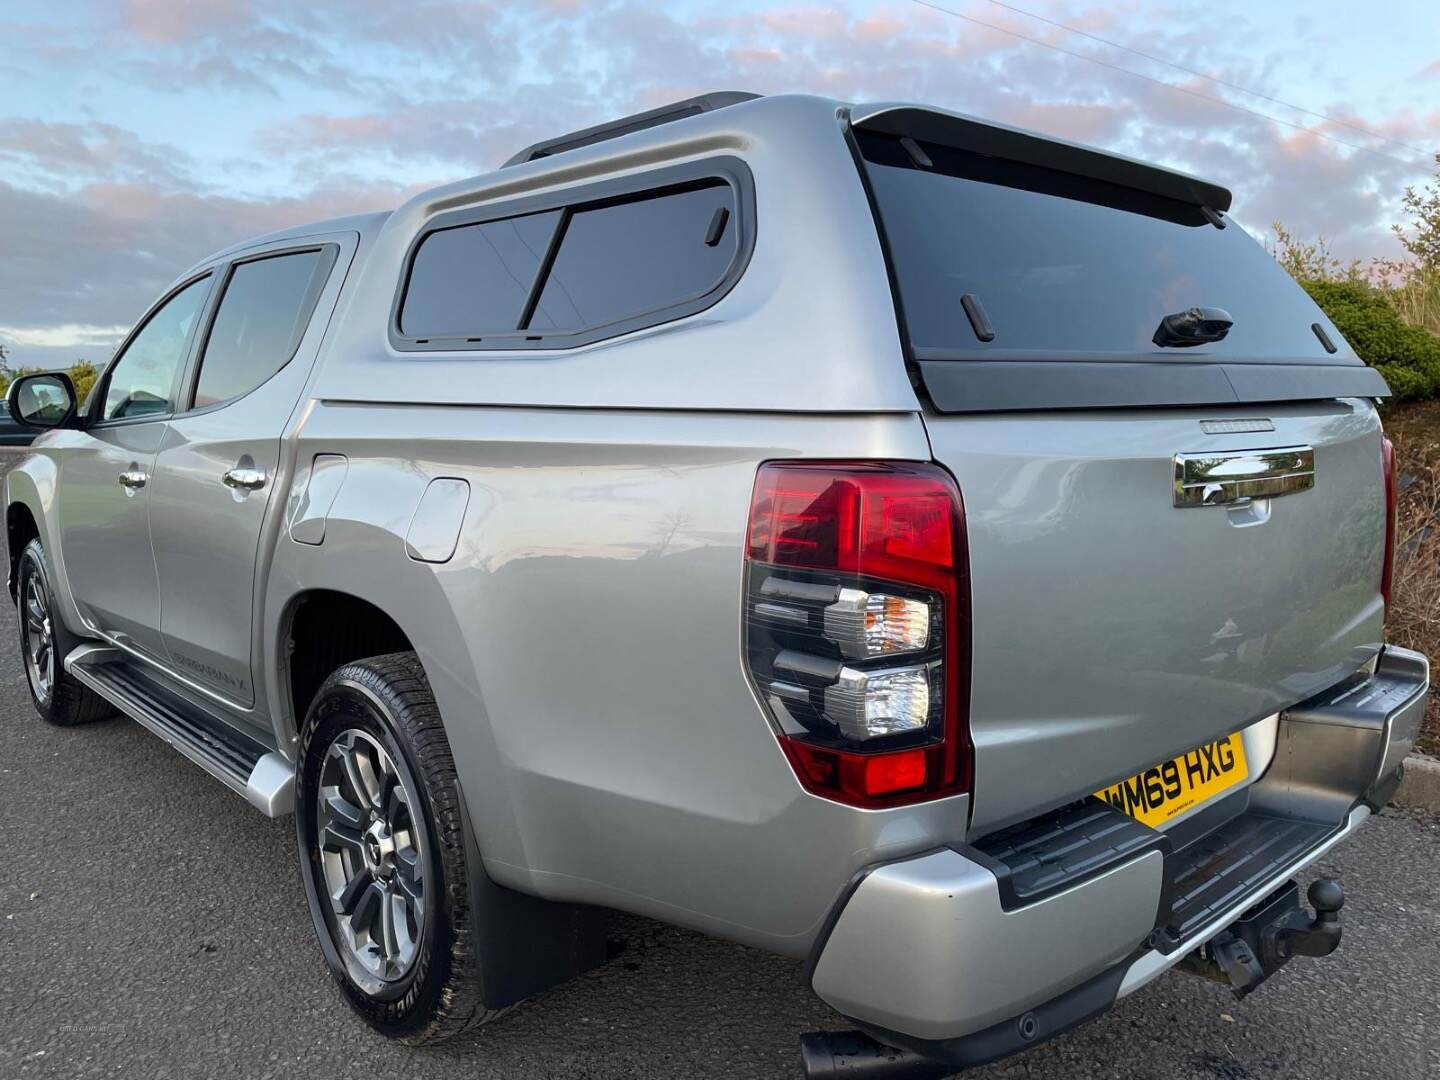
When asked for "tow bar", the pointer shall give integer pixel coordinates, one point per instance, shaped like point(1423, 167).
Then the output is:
point(1264, 939)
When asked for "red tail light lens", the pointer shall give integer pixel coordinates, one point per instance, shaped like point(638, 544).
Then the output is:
point(1387, 451)
point(857, 626)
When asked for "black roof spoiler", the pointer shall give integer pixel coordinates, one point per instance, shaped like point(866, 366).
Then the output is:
point(1016, 144)
point(626, 124)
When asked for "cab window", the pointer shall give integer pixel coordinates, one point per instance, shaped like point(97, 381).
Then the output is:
point(142, 382)
point(258, 326)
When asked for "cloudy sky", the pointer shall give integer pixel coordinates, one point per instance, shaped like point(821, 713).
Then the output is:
point(136, 136)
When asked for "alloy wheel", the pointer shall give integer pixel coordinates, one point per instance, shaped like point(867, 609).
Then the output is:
point(37, 638)
point(371, 856)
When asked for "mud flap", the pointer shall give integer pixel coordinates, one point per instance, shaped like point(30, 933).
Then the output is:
point(526, 945)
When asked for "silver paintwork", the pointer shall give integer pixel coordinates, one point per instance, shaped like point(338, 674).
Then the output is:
point(101, 520)
point(1237, 478)
point(923, 947)
point(1325, 757)
point(820, 290)
point(271, 786)
point(1113, 631)
point(582, 631)
point(312, 496)
point(584, 644)
point(435, 529)
point(1402, 728)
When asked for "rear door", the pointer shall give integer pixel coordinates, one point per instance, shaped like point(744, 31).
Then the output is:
point(221, 457)
point(1167, 544)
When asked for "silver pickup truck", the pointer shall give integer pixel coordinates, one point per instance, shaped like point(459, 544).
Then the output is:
point(951, 557)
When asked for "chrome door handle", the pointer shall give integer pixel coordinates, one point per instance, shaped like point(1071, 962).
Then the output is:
point(245, 479)
point(133, 479)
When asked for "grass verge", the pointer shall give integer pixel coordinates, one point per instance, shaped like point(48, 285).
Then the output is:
point(1414, 617)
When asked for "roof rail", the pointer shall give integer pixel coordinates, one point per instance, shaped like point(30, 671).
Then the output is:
point(626, 124)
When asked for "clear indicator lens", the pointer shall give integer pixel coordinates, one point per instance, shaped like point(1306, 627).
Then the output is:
point(871, 704)
point(895, 624)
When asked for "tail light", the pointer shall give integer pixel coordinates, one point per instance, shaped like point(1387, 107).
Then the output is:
point(857, 612)
point(1387, 451)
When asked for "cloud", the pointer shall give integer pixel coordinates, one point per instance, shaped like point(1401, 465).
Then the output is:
point(64, 154)
point(63, 336)
point(171, 21)
point(638, 56)
point(364, 99)
point(99, 255)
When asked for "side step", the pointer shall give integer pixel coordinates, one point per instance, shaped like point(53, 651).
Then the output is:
point(247, 767)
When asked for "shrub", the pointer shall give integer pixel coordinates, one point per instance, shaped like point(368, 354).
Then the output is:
point(1408, 356)
point(83, 374)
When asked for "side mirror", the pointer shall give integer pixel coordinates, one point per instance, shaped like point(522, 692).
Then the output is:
point(42, 401)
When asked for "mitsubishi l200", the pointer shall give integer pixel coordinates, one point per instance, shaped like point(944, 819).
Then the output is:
point(951, 557)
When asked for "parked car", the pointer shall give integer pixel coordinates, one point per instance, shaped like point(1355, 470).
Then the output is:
point(951, 557)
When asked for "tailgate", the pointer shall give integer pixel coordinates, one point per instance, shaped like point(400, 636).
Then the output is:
point(1114, 629)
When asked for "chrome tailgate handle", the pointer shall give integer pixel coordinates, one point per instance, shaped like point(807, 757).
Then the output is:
point(1230, 479)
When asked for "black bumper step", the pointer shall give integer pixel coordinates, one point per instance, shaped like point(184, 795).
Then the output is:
point(1207, 873)
point(1220, 869)
point(1048, 854)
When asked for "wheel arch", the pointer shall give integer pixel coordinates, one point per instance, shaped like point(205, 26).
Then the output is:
point(20, 528)
point(323, 629)
point(30, 509)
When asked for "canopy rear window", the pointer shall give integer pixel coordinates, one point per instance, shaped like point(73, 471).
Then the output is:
point(1064, 265)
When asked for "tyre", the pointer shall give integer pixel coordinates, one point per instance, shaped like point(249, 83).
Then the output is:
point(44, 642)
point(383, 853)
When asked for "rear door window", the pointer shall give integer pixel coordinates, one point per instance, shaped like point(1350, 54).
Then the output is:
point(261, 318)
point(628, 258)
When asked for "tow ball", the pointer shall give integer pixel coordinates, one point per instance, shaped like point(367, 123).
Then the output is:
point(1266, 937)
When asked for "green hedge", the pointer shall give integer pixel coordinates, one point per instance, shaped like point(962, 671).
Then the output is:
point(1408, 356)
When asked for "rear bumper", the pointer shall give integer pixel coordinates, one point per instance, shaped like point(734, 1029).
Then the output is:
point(968, 954)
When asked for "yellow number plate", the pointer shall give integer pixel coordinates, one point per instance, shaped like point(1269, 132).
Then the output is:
point(1172, 787)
